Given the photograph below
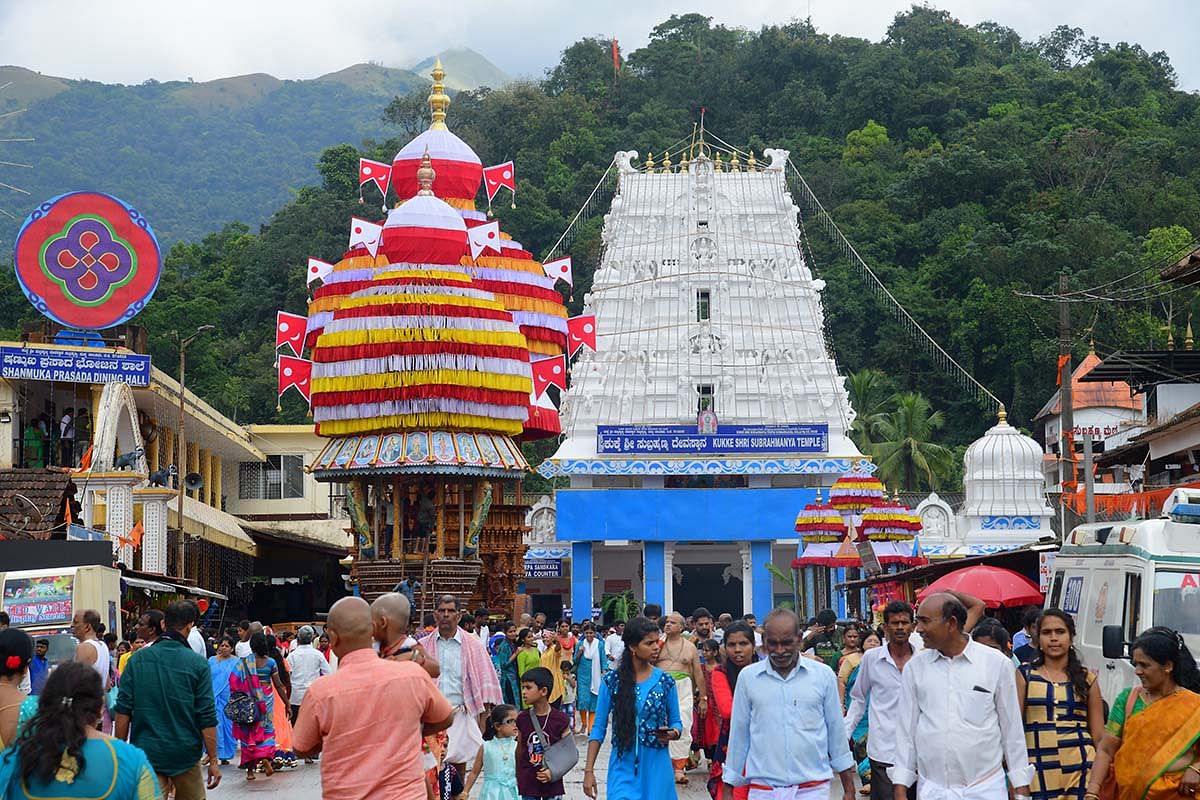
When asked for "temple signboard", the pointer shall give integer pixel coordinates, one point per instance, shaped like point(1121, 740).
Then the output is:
point(686, 440)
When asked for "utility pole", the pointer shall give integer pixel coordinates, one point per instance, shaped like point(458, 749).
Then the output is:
point(1089, 482)
point(181, 447)
point(1066, 417)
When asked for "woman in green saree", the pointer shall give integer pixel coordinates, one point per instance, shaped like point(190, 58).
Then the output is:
point(1152, 738)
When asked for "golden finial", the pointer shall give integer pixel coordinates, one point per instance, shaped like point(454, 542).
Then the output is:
point(439, 101)
point(666, 162)
point(649, 162)
point(751, 163)
point(735, 165)
point(425, 175)
point(683, 165)
point(818, 495)
point(717, 164)
point(1002, 415)
point(1188, 341)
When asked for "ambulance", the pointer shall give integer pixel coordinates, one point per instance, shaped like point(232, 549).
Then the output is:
point(42, 602)
point(1119, 578)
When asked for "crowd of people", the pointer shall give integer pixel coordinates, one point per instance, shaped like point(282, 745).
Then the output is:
point(938, 702)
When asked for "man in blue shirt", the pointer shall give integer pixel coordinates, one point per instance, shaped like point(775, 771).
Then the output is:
point(39, 667)
point(790, 706)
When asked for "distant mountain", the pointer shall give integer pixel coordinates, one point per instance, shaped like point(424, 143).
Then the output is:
point(465, 69)
point(190, 156)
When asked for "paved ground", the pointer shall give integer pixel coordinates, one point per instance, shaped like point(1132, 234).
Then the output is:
point(304, 782)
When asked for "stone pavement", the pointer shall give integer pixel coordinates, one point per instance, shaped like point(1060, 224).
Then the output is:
point(304, 782)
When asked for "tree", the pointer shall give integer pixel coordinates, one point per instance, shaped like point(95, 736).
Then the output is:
point(870, 392)
point(905, 452)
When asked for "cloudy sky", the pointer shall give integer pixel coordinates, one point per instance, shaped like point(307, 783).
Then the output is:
point(132, 40)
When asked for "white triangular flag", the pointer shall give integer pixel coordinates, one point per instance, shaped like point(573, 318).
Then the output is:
point(318, 269)
point(484, 237)
point(366, 234)
point(559, 269)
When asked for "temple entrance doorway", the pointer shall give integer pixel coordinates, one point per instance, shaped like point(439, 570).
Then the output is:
point(705, 585)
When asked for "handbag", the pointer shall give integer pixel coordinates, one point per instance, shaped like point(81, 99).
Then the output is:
point(242, 708)
point(558, 758)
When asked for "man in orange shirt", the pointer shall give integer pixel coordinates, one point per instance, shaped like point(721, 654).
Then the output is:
point(367, 719)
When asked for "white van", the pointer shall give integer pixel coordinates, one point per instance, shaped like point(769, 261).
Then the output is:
point(42, 602)
point(1130, 576)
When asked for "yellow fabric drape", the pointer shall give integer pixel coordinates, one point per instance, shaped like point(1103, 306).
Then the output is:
point(392, 335)
point(425, 421)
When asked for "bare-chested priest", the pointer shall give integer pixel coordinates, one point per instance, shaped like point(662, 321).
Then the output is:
point(681, 660)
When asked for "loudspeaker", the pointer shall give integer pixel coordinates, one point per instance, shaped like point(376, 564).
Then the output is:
point(193, 482)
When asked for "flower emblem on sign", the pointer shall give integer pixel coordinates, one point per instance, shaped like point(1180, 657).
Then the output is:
point(88, 260)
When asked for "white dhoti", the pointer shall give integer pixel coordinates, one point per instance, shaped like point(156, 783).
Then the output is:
point(818, 792)
point(681, 748)
point(464, 736)
point(991, 787)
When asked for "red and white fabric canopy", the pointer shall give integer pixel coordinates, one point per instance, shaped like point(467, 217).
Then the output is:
point(459, 170)
point(425, 230)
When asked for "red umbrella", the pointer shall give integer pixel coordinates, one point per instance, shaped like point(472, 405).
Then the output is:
point(995, 586)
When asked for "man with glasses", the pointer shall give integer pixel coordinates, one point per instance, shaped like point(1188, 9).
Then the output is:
point(786, 736)
point(467, 679)
point(958, 699)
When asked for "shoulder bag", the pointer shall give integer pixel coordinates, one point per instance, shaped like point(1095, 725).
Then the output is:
point(559, 758)
point(242, 708)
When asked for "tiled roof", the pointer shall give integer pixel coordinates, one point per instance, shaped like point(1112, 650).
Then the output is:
point(32, 503)
point(1109, 394)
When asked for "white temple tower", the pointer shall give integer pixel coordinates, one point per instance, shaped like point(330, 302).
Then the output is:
point(703, 303)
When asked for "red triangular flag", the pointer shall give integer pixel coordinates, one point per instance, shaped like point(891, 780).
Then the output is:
point(365, 234)
point(559, 269)
point(581, 331)
point(549, 372)
point(318, 269)
point(498, 176)
point(295, 372)
point(484, 237)
point(375, 171)
point(289, 330)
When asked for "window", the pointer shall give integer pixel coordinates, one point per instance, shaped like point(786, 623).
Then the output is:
point(703, 305)
point(1056, 589)
point(1177, 602)
point(278, 478)
point(707, 400)
point(1133, 605)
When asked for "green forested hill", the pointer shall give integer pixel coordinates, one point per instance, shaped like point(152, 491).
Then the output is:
point(965, 164)
point(193, 156)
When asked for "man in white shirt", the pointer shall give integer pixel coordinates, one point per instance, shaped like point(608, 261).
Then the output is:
point(307, 665)
point(958, 698)
point(878, 682)
point(195, 638)
point(242, 648)
point(614, 647)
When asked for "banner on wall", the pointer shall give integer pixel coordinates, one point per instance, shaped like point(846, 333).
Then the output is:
point(685, 440)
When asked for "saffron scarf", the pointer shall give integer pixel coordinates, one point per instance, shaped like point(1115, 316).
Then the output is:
point(1151, 741)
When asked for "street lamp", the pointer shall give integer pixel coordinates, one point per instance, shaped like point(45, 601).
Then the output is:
point(181, 447)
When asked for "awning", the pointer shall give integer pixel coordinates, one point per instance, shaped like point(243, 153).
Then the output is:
point(211, 525)
point(196, 590)
point(154, 586)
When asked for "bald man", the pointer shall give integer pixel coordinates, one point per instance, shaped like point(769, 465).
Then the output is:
point(367, 719)
point(390, 614)
point(681, 660)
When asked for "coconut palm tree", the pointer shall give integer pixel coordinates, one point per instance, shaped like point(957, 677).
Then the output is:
point(905, 453)
point(871, 393)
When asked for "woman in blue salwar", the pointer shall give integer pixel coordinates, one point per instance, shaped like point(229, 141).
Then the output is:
point(645, 716)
